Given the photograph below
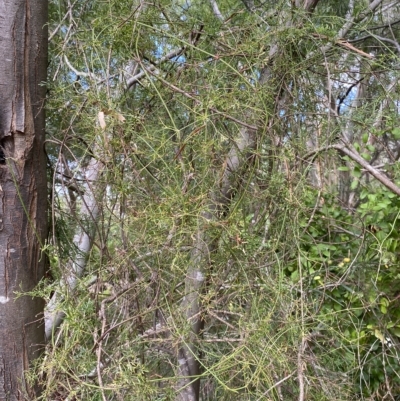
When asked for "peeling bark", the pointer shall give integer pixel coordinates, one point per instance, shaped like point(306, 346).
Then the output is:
point(23, 188)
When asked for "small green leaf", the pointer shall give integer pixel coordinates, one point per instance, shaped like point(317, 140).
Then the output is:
point(395, 331)
point(396, 133)
point(295, 276)
point(354, 184)
point(384, 301)
point(381, 206)
point(363, 194)
point(358, 312)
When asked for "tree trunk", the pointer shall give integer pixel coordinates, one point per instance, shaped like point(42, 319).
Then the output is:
point(236, 163)
point(23, 189)
point(83, 242)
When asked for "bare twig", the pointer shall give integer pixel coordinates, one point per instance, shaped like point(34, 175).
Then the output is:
point(349, 150)
point(136, 78)
point(60, 24)
point(301, 368)
point(393, 42)
point(370, 9)
point(216, 11)
point(80, 73)
point(276, 385)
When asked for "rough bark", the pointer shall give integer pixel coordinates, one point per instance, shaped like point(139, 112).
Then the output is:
point(23, 188)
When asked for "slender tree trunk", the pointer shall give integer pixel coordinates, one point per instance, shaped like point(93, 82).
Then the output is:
point(83, 242)
point(23, 188)
point(236, 164)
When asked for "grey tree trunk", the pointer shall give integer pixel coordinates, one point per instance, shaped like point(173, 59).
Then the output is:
point(23, 188)
point(83, 242)
point(236, 163)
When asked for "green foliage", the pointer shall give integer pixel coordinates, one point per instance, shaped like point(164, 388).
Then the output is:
point(301, 282)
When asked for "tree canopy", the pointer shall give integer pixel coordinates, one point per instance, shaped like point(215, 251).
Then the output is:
point(225, 200)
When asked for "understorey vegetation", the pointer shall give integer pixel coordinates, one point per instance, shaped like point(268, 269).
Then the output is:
point(224, 202)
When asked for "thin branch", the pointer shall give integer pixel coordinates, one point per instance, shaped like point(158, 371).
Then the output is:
point(216, 10)
point(80, 73)
point(309, 5)
point(153, 72)
point(300, 369)
point(136, 78)
point(249, 4)
point(373, 36)
point(349, 150)
point(276, 385)
point(60, 24)
point(393, 42)
point(354, 155)
point(350, 21)
point(370, 9)
point(389, 24)
point(347, 45)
